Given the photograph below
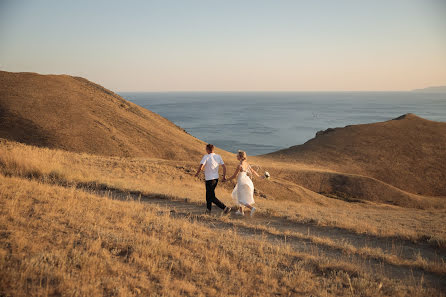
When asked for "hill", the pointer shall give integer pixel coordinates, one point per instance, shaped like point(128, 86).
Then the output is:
point(98, 224)
point(408, 152)
point(74, 114)
point(93, 225)
point(391, 162)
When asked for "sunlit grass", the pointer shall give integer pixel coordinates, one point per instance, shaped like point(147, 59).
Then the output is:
point(58, 240)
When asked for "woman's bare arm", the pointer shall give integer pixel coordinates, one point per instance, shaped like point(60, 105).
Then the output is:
point(235, 173)
point(253, 171)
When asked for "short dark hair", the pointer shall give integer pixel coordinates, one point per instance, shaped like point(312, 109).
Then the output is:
point(210, 147)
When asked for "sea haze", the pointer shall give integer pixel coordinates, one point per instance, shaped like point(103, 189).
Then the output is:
point(263, 122)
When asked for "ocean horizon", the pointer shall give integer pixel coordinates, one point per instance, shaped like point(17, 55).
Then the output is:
point(264, 122)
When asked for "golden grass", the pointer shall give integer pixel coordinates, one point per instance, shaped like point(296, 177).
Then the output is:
point(61, 234)
point(437, 266)
point(62, 241)
point(158, 176)
point(407, 153)
point(284, 199)
point(49, 225)
point(72, 113)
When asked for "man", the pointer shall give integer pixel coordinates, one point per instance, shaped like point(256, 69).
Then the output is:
point(210, 163)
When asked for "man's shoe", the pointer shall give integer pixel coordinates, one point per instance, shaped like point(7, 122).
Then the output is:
point(253, 210)
point(239, 213)
point(207, 212)
point(227, 210)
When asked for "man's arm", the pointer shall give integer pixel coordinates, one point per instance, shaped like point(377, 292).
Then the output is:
point(199, 169)
point(224, 171)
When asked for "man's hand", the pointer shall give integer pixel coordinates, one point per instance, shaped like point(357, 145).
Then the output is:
point(198, 170)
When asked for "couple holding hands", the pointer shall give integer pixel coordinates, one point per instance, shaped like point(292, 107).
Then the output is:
point(243, 193)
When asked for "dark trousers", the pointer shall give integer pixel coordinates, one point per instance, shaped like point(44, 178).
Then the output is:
point(210, 194)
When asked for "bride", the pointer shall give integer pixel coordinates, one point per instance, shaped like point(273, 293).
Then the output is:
point(243, 193)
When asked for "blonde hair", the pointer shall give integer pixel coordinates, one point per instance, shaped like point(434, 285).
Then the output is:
point(242, 155)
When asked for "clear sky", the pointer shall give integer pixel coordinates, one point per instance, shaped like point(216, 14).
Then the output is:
point(226, 45)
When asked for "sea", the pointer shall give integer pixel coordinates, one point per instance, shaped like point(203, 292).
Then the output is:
point(264, 122)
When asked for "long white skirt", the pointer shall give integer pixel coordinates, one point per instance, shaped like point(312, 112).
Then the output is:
point(243, 192)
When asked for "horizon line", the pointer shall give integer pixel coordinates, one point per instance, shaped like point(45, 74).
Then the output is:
point(265, 91)
point(421, 89)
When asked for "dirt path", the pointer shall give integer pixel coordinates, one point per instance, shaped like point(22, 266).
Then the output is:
point(326, 242)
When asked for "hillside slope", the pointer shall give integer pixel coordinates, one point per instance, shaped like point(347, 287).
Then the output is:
point(74, 114)
point(91, 224)
point(408, 152)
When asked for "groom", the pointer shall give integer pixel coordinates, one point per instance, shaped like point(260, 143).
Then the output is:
point(210, 163)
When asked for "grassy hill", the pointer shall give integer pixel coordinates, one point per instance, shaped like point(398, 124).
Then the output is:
point(74, 114)
point(397, 162)
point(98, 198)
point(90, 225)
point(408, 152)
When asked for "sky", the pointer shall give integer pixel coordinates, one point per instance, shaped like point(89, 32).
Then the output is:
point(210, 45)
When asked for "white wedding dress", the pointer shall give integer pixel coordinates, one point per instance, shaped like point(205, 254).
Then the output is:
point(243, 192)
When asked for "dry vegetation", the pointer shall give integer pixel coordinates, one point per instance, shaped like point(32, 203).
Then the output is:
point(398, 162)
point(101, 202)
point(74, 114)
point(407, 152)
point(64, 241)
point(284, 199)
point(61, 235)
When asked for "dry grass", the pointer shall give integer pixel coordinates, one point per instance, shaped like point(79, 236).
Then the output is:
point(60, 234)
point(437, 265)
point(74, 114)
point(407, 152)
point(59, 241)
point(373, 219)
point(388, 162)
point(284, 199)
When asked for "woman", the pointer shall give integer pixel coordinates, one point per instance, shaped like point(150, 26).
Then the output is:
point(243, 193)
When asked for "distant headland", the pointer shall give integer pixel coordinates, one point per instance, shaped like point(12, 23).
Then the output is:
point(435, 89)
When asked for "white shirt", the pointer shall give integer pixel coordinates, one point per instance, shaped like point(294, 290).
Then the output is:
point(211, 162)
